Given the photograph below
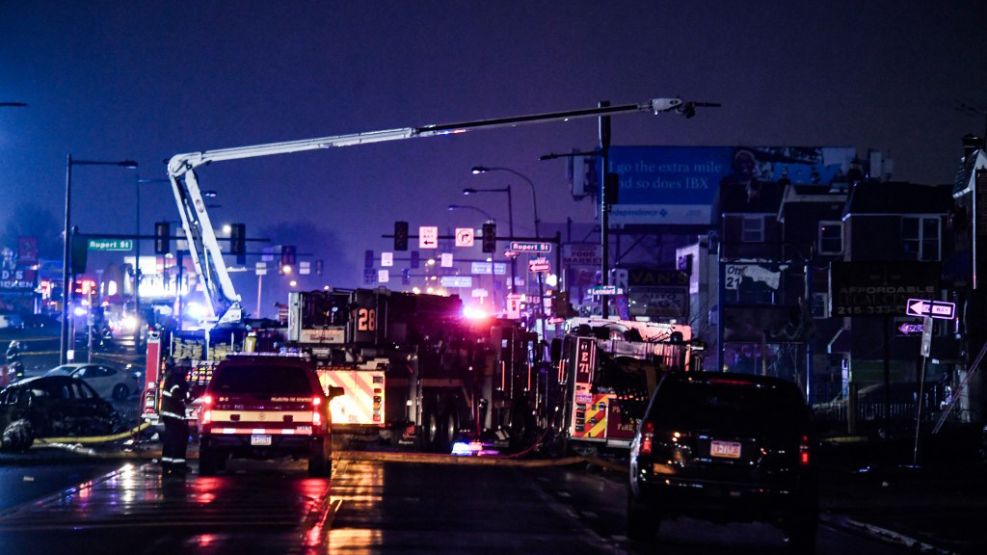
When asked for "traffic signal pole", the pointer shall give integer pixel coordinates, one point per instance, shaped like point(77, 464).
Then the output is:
point(604, 126)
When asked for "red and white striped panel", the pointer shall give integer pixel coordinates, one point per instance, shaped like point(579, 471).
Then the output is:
point(356, 406)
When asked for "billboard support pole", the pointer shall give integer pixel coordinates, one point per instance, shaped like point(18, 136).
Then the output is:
point(887, 375)
point(604, 125)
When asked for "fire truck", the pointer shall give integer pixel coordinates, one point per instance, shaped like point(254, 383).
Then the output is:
point(415, 369)
point(436, 402)
point(607, 370)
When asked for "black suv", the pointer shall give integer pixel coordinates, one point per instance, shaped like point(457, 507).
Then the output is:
point(265, 407)
point(726, 448)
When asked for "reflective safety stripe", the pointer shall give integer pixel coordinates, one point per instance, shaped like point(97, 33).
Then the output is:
point(172, 415)
point(301, 430)
point(172, 460)
point(261, 416)
point(166, 393)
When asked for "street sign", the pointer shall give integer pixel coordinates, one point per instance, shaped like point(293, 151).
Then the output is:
point(539, 265)
point(907, 328)
point(120, 245)
point(456, 281)
point(383, 276)
point(926, 337)
point(531, 246)
point(428, 237)
point(942, 310)
point(386, 259)
point(479, 293)
point(445, 260)
point(260, 268)
point(464, 236)
point(483, 268)
point(598, 290)
point(304, 268)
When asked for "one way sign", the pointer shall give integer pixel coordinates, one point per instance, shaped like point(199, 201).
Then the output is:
point(935, 309)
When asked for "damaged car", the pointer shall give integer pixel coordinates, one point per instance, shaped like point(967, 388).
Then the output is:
point(52, 406)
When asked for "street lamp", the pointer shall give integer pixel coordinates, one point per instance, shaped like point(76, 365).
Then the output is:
point(67, 251)
point(471, 207)
point(477, 170)
point(510, 221)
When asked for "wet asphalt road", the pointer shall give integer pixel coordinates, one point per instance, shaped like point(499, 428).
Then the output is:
point(366, 507)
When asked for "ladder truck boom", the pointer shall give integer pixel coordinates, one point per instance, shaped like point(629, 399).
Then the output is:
point(221, 296)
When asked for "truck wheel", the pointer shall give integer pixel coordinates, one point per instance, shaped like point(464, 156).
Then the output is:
point(209, 462)
point(450, 429)
point(642, 522)
point(320, 463)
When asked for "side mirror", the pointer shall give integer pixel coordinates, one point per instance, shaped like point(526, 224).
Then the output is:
point(336, 391)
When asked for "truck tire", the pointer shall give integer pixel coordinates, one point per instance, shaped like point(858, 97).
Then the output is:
point(210, 461)
point(642, 522)
point(450, 429)
point(320, 462)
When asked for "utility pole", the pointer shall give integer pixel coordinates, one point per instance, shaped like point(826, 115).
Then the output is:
point(604, 127)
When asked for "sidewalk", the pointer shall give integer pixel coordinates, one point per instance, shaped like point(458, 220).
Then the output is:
point(937, 507)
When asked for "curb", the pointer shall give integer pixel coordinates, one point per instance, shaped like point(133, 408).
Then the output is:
point(883, 534)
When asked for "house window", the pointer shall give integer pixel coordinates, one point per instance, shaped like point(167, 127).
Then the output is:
point(920, 237)
point(752, 229)
point(830, 238)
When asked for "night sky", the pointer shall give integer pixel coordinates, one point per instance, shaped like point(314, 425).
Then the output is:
point(146, 80)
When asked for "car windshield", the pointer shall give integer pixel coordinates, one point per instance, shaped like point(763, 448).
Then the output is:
point(262, 380)
point(726, 405)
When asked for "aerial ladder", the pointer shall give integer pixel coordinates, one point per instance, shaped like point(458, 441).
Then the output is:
point(221, 297)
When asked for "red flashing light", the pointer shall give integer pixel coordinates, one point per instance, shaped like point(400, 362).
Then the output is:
point(207, 401)
point(316, 418)
point(804, 451)
point(647, 437)
point(316, 401)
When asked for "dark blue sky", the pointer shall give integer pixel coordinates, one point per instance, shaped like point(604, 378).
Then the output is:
point(146, 80)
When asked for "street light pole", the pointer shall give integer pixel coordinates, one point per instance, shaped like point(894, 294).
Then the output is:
point(67, 249)
point(510, 222)
point(534, 205)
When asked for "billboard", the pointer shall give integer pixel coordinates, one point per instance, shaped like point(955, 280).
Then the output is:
point(675, 185)
point(880, 288)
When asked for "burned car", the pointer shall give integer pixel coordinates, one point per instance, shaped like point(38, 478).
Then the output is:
point(50, 406)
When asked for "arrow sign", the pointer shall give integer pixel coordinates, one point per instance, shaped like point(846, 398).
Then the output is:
point(936, 309)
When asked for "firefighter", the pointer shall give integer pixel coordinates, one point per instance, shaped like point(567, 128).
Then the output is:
point(174, 395)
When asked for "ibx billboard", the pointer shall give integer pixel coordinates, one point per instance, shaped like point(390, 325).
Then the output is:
point(678, 185)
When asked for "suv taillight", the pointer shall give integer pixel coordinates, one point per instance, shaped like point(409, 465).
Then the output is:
point(804, 448)
point(207, 402)
point(647, 437)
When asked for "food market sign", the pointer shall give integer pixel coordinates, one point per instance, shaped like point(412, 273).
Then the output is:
point(880, 288)
point(21, 279)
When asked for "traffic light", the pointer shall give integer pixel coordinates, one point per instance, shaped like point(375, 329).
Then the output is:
point(318, 267)
point(368, 258)
point(162, 237)
point(288, 255)
point(406, 277)
point(489, 237)
point(400, 236)
point(416, 260)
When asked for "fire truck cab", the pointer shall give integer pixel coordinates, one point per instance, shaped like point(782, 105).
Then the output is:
point(607, 370)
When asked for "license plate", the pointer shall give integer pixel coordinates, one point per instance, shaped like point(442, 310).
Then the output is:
point(256, 439)
point(724, 449)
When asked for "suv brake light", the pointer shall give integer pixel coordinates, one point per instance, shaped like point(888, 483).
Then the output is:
point(207, 401)
point(804, 449)
point(647, 437)
point(316, 401)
